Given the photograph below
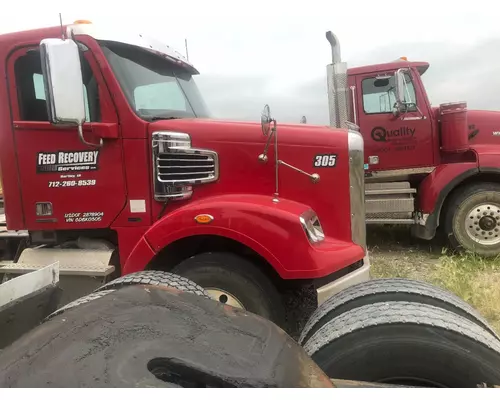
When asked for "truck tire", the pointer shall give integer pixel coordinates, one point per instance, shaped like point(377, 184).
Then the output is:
point(80, 301)
point(406, 344)
point(157, 278)
point(472, 219)
point(392, 289)
point(235, 281)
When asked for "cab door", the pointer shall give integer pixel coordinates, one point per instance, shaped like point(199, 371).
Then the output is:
point(65, 184)
point(393, 141)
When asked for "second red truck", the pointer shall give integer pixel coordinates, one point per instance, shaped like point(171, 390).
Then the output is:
point(436, 168)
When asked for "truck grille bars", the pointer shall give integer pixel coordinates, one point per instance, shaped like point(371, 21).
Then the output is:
point(177, 166)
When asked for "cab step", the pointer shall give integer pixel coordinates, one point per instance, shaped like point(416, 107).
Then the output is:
point(389, 221)
point(390, 191)
point(77, 262)
point(389, 203)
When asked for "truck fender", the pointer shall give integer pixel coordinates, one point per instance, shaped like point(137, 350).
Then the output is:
point(256, 221)
point(433, 192)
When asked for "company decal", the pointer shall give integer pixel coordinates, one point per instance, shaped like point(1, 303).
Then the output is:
point(325, 160)
point(401, 139)
point(473, 131)
point(67, 161)
point(83, 217)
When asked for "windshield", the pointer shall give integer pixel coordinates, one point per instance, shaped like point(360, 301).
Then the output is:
point(155, 87)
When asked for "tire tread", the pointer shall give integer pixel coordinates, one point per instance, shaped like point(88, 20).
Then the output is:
point(387, 285)
point(399, 313)
point(157, 278)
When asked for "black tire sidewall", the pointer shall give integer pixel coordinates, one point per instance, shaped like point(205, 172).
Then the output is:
point(457, 214)
point(397, 351)
point(238, 277)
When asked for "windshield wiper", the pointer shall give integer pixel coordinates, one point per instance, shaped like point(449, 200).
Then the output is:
point(157, 118)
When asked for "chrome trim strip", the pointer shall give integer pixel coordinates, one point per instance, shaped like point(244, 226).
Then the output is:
point(357, 187)
point(354, 111)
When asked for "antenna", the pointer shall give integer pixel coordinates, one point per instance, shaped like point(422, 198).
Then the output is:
point(186, 45)
point(63, 34)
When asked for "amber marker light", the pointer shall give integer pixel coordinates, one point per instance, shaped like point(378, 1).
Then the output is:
point(203, 218)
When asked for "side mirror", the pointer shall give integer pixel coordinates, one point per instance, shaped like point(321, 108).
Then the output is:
point(400, 86)
point(62, 74)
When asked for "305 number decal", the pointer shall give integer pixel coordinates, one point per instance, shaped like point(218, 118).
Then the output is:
point(325, 160)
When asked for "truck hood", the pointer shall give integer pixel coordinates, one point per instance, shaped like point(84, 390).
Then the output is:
point(245, 131)
point(239, 144)
point(484, 127)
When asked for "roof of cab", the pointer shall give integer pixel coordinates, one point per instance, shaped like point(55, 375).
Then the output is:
point(26, 37)
point(421, 67)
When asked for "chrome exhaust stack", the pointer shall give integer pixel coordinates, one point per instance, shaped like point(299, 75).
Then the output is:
point(340, 117)
point(338, 89)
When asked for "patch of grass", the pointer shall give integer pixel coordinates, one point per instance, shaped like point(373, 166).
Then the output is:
point(474, 279)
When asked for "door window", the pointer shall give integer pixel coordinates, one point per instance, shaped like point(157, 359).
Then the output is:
point(379, 94)
point(31, 89)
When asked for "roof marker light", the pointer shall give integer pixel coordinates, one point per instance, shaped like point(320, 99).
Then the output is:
point(82, 21)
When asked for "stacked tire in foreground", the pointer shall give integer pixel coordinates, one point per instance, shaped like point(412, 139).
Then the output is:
point(402, 332)
point(389, 331)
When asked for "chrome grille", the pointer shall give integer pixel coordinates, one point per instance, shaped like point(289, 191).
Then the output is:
point(185, 167)
point(177, 165)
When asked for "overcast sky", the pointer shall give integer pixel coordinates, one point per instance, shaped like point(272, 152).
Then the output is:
point(254, 52)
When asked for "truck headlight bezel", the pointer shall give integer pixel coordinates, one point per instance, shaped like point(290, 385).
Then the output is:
point(312, 226)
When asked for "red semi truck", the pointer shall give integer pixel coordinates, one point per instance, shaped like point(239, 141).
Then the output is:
point(426, 166)
point(111, 165)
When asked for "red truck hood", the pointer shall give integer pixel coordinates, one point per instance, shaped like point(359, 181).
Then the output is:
point(484, 127)
point(239, 145)
point(215, 130)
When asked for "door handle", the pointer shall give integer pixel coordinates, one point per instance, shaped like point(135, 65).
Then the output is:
point(82, 139)
point(103, 130)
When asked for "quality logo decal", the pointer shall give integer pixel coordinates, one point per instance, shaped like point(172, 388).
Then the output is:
point(380, 134)
point(67, 161)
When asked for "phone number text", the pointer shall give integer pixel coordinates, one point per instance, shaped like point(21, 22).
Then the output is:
point(79, 183)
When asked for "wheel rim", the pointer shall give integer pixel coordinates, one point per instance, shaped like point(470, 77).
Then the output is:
point(483, 224)
point(224, 297)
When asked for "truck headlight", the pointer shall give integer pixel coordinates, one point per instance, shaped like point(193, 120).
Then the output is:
point(310, 222)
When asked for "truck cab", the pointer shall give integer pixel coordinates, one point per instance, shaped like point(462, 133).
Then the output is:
point(111, 165)
point(393, 141)
point(435, 168)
